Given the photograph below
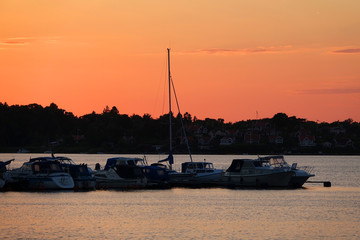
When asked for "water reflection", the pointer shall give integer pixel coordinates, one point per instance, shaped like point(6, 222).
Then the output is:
point(182, 213)
point(314, 212)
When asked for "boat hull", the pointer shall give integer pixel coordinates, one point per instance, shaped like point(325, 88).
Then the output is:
point(84, 184)
point(103, 183)
point(206, 179)
point(277, 179)
point(55, 181)
point(299, 181)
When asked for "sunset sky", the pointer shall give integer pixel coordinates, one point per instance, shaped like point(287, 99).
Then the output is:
point(230, 59)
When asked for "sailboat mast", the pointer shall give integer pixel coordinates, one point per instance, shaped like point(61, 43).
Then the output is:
point(170, 114)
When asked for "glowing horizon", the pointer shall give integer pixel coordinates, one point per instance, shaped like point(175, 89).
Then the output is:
point(229, 59)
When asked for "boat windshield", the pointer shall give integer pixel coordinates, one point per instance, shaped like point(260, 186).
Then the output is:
point(138, 163)
point(209, 166)
point(278, 162)
point(46, 167)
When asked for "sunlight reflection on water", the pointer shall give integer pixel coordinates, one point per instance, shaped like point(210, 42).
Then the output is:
point(311, 213)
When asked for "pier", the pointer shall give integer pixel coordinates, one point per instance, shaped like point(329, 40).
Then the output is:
point(325, 183)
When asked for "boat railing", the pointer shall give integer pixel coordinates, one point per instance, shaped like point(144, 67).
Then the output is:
point(308, 169)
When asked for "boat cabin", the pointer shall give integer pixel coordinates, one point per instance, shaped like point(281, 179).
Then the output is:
point(126, 167)
point(123, 161)
point(197, 167)
point(67, 165)
point(241, 164)
point(43, 167)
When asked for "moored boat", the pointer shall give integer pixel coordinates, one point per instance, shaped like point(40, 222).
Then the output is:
point(301, 174)
point(157, 175)
point(38, 175)
point(121, 172)
point(199, 174)
point(81, 174)
point(253, 173)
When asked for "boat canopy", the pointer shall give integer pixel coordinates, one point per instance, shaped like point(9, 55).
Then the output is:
point(60, 159)
point(238, 164)
point(112, 162)
point(197, 167)
point(271, 157)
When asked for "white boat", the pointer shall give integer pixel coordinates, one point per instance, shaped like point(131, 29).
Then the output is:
point(193, 173)
point(301, 174)
point(253, 173)
point(121, 172)
point(81, 174)
point(38, 175)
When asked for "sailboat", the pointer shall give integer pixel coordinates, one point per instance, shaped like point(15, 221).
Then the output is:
point(192, 173)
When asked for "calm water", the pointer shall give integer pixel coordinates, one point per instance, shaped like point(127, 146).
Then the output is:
point(311, 213)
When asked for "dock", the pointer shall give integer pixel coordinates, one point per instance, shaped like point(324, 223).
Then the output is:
point(325, 183)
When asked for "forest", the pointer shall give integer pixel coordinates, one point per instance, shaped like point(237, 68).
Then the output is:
point(34, 128)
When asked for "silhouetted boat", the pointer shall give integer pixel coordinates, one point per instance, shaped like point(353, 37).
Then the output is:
point(38, 174)
point(255, 173)
point(81, 174)
point(301, 174)
point(157, 175)
point(121, 172)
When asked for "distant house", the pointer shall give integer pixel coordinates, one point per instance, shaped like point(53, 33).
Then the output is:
point(337, 130)
point(306, 140)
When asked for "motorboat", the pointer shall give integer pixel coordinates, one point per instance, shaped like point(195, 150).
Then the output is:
point(38, 174)
point(121, 172)
point(301, 174)
point(198, 174)
point(254, 173)
point(81, 174)
point(3, 169)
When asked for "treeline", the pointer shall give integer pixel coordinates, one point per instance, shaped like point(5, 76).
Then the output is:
point(33, 128)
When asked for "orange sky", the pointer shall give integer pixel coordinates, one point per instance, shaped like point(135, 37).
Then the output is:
point(229, 59)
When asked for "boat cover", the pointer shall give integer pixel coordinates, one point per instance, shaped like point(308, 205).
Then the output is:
point(170, 158)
